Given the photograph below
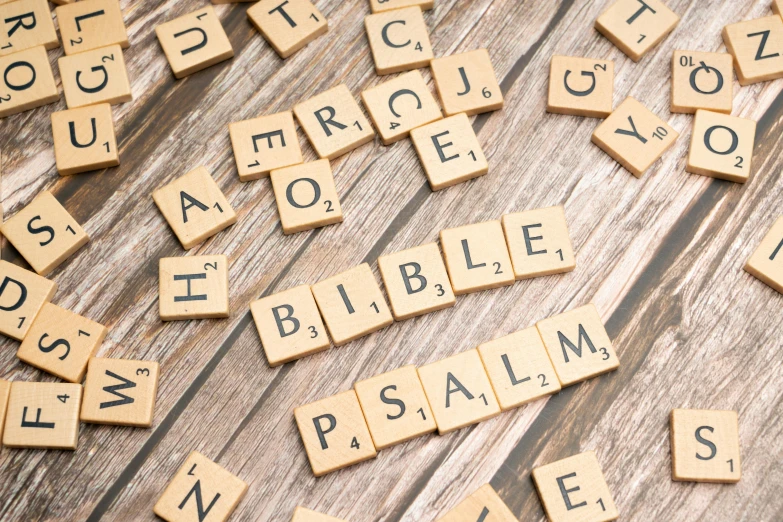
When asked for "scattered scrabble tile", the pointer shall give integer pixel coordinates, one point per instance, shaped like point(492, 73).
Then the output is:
point(766, 263)
point(634, 137)
point(449, 151)
point(334, 433)
point(705, 446)
point(466, 83)
point(636, 26)
point(395, 407)
point(702, 81)
point(263, 144)
point(194, 207)
point(120, 392)
point(96, 76)
point(578, 345)
point(476, 257)
point(459, 391)
point(721, 146)
point(757, 46)
point(44, 233)
point(200, 489)
point(22, 295)
point(306, 196)
point(574, 490)
point(91, 24)
point(43, 415)
point(484, 505)
point(84, 139)
point(194, 42)
point(287, 26)
point(399, 40)
point(193, 287)
point(400, 105)
point(26, 24)
point(27, 83)
point(580, 86)
point(378, 6)
point(416, 281)
point(306, 515)
point(538, 242)
point(289, 325)
point(5, 391)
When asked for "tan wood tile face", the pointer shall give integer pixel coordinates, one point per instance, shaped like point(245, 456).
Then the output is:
point(263, 144)
point(484, 505)
point(27, 81)
point(91, 24)
point(757, 47)
point(702, 81)
point(399, 40)
point(194, 287)
point(306, 196)
point(84, 139)
point(777, 7)
point(43, 415)
point(705, 446)
point(467, 83)
point(22, 295)
point(378, 6)
point(580, 86)
point(121, 392)
point(636, 26)
point(766, 263)
point(5, 391)
point(26, 24)
point(307, 515)
point(476, 257)
point(97, 76)
point(721, 146)
point(538, 242)
point(288, 25)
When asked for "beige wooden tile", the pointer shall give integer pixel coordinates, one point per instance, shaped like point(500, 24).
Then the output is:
point(334, 433)
point(636, 26)
point(121, 392)
point(766, 263)
point(27, 81)
point(194, 207)
point(484, 505)
point(5, 391)
point(634, 137)
point(580, 86)
point(22, 295)
point(44, 233)
point(200, 490)
point(395, 407)
point(289, 325)
point(26, 24)
point(467, 83)
point(399, 40)
point(288, 25)
point(306, 196)
point(193, 287)
point(449, 151)
point(538, 242)
point(378, 6)
point(757, 46)
point(705, 446)
point(777, 7)
point(96, 76)
point(578, 345)
point(307, 515)
point(43, 415)
point(702, 81)
point(84, 139)
point(721, 146)
point(400, 105)
point(263, 144)
point(194, 42)
point(91, 24)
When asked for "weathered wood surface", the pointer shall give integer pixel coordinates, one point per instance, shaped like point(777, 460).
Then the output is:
point(660, 256)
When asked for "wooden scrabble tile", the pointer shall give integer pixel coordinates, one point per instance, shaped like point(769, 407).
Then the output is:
point(121, 392)
point(44, 233)
point(578, 345)
point(580, 86)
point(306, 515)
point(43, 415)
point(634, 137)
point(484, 505)
point(194, 207)
point(306, 196)
point(26, 24)
point(574, 490)
point(449, 151)
point(5, 391)
point(263, 144)
point(95, 77)
point(334, 433)
point(200, 489)
point(476, 257)
point(194, 42)
point(27, 83)
point(399, 40)
point(766, 263)
point(400, 105)
point(466, 83)
point(705, 446)
point(395, 407)
point(22, 295)
point(288, 25)
point(378, 6)
point(91, 24)
point(721, 146)
point(352, 304)
point(757, 46)
point(702, 81)
point(193, 287)
point(333, 122)
point(538, 242)
point(84, 139)
point(289, 325)
point(636, 26)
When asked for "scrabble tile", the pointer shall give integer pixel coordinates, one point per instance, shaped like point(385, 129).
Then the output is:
point(306, 196)
point(43, 415)
point(288, 25)
point(395, 407)
point(378, 6)
point(194, 42)
point(289, 325)
point(634, 137)
point(757, 47)
point(721, 146)
point(26, 24)
point(95, 77)
point(538, 242)
point(27, 81)
point(705, 446)
point(578, 345)
point(306, 515)
point(483, 505)
point(194, 207)
point(580, 86)
point(766, 263)
point(777, 7)
point(84, 139)
point(399, 40)
point(5, 390)
point(352, 304)
point(121, 392)
point(702, 81)
point(400, 105)
point(466, 83)
point(476, 257)
point(519, 368)
point(636, 26)
point(264, 144)
point(574, 490)
point(193, 287)
point(22, 295)
point(200, 489)
point(333, 122)
point(449, 151)
point(44, 233)
point(334, 433)
point(91, 24)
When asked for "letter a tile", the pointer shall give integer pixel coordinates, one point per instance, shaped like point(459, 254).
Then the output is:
point(43, 415)
point(97, 76)
point(483, 505)
point(91, 24)
point(288, 25)
point(705, 446)
point(636, 26)
point(27, 81)
point(84, 139)
point(702, 81)
point(757, 46)
point(193, 287)
point(476, 257)
point(26, 24)
point(766, 263)
point(306, 515)
point(306, 196)
point(121, 392)
point(467, 83)
point(22, 295)
point(721, 146)
point(399, 40)
point(264, 144)
point(580, 86)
